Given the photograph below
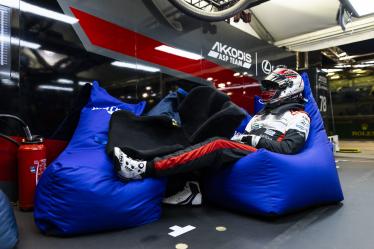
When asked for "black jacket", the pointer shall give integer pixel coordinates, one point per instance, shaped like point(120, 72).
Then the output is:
point(205, 112)
point(283, 129)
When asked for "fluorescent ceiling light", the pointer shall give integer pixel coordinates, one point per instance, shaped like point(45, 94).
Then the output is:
point(34, 9)
point(345, 58)
point(135, 66)
point(342, 66)
point(27, 44)
point(16, 41)
point(56, 88)
point(65, 81)
point(241, 87)
point(26, 7)
point(369, 62)
point(332, 70)
point(179, 52)
point(82, 83)
point(360, 7)
point(10, 3)
point(362, 65)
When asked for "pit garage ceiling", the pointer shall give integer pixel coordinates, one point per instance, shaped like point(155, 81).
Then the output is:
point(307, 25)
point(285, 19)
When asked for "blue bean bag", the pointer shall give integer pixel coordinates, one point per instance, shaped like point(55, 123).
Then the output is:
point(80, 192)
point(8, 226)
point(268, 183)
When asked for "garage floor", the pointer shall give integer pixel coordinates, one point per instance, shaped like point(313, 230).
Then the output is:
point(346, 226)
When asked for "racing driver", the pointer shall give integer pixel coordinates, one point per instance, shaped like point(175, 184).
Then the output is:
point(282, 127)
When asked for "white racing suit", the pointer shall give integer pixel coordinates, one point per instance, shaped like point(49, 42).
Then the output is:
point(282, 130)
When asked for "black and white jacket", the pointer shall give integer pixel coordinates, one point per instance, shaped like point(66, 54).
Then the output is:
point(283, 130)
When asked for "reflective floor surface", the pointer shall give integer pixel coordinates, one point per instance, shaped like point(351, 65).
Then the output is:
point(346, 226)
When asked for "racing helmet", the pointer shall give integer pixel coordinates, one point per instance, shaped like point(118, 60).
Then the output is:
point(282, 86)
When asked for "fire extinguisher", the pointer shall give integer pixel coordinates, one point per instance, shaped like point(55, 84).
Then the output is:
point(31, 160)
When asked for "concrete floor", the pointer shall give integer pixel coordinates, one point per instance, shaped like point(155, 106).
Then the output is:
point(346, 226)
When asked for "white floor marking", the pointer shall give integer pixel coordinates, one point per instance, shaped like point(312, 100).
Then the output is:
point(177, 230)
point(181, 246)
point(221, 229)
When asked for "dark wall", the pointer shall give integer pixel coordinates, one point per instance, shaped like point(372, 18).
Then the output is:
point(53, 60)
point(46, 80)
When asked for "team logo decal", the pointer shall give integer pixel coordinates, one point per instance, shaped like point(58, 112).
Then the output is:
point(109, 109)
point(256, 126)
point(232, 55)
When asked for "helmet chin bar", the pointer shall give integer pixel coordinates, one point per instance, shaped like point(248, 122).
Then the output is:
point(269, 95)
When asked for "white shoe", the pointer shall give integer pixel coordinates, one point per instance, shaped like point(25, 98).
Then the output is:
point(190, 195)
point(128, 168)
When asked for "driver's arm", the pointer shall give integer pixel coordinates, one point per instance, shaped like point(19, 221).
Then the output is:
point(293, 140)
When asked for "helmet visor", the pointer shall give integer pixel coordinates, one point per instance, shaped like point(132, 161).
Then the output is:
point(268, 90)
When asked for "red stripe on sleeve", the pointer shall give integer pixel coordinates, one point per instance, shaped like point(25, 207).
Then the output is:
point(280, 138)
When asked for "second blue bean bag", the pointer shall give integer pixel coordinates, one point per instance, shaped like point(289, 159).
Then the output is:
point(8, 226)
point(80, 192)
point(269, 183)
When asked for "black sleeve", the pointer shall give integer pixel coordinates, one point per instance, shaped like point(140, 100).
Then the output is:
point(292, 142)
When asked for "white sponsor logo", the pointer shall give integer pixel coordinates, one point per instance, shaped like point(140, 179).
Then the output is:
point(109, 109)
point(266, 67)
point(270, 132)
point(256, 126)
point(232, 55)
